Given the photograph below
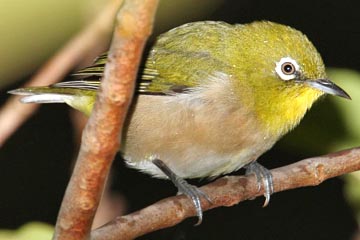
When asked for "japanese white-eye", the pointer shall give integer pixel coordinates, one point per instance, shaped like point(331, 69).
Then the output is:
point(211, 98)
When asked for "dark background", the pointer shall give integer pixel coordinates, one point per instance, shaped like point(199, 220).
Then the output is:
point(35, 162)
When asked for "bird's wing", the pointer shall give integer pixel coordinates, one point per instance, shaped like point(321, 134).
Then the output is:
point(179, 60)
point(89, 77)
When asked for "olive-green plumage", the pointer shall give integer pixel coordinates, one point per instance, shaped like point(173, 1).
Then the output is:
point(212, 97)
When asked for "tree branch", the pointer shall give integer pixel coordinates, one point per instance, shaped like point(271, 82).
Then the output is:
point(100, 140)
point(13, 114)
point(228, 191)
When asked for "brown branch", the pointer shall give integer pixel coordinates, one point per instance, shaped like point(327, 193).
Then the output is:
point(13, 114)
point(228, 191)
point(102, 133)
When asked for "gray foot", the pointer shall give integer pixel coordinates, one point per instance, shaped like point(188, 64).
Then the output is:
point(263, 176)
point(194, 193)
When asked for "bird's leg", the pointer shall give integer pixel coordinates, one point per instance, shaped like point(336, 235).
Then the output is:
point(264, 176)
point(184, 187)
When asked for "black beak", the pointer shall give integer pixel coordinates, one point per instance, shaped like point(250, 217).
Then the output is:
point(328, 87)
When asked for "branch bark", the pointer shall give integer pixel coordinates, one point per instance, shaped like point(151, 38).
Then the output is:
point(228, 191)
point(13, 114)
point(100, 140)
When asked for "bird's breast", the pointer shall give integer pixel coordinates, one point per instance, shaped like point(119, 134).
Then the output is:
point(195, 137)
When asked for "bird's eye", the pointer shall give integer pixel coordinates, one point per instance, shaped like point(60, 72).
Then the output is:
point(287, 68)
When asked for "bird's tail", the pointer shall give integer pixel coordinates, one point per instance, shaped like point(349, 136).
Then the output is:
point(43, 95)
point(78, 94)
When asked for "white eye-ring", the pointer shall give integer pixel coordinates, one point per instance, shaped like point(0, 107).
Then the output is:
point(287, 68)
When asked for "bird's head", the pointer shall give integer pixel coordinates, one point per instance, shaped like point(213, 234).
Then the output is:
point(282, 71)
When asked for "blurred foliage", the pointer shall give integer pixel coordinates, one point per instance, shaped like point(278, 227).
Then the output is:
point(349, 110)
point(29, 231)
point(31, 31)
point(350, 80)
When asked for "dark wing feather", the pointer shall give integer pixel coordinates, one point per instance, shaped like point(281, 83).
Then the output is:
point(90, 77)
point(81, 84)
point(95, 70)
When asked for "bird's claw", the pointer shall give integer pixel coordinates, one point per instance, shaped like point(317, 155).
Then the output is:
point(193, 192)
point(263, 176)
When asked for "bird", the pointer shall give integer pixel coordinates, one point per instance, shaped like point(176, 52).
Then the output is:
point(211, 97)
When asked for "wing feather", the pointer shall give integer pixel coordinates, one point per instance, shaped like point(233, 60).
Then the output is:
point(179, 60)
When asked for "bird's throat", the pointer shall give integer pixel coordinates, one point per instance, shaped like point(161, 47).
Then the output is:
point(285, 109)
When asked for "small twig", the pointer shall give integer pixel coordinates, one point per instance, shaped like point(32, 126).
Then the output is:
point(13, 114)
point(228, 191)
point(101, 137)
